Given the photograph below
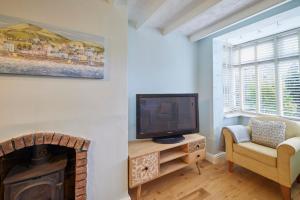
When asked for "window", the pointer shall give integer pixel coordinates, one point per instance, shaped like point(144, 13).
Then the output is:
point(263, 76)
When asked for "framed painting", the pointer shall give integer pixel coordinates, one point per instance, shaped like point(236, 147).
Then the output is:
point(30, 48)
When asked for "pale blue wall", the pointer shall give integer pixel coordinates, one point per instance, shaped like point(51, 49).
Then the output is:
point(159, 64)
point(207, 80)
point(205, 63)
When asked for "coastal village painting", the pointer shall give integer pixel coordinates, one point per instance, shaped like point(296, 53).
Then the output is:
point(31, 49)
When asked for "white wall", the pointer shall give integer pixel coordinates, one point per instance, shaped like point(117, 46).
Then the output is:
point(158, 64)
point(94, 109)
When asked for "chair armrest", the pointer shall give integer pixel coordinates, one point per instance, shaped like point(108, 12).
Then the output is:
point(228, 143)
point(288, 161)
point(227, 136)
point(239, 133)
point(234, 134)
point(290, 146)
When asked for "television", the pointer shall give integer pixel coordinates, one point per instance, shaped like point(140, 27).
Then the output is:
point(166, 117)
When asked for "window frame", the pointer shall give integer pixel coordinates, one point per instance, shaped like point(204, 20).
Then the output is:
point(275, 60)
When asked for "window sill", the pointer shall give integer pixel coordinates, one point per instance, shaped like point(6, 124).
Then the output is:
point(251, 115)
point(240, 114)
point(231, 115)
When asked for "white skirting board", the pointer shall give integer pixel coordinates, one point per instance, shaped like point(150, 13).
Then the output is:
point(126, 198)
point(216, 158)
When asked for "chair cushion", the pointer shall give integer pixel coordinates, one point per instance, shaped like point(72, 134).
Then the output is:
point(257, 152)
point(268, 133)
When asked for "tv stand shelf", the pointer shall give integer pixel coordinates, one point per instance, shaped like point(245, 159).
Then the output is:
point(171, 166)
point(149, 160)
point(171, 154)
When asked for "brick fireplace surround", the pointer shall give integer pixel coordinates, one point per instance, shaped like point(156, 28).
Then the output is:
point(80, 145)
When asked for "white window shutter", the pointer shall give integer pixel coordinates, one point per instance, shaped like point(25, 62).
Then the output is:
point(247, 54)
point(249, 88)
point(290, 81)
point(265, 51)
point(267, 84)
point(288, 46)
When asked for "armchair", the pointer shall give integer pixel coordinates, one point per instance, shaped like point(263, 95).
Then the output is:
point(281, 165)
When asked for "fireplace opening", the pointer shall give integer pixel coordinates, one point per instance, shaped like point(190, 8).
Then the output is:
point(43, 172)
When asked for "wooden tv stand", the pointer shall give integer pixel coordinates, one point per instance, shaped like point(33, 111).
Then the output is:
point(149, 160)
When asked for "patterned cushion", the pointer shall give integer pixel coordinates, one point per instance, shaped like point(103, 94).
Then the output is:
point(268, 133)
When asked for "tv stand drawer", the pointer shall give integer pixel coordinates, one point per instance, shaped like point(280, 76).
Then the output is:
point(143, 169)
point(196, 156)
point(196, 145)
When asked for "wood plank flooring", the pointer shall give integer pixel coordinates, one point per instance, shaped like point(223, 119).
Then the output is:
point(215, 183)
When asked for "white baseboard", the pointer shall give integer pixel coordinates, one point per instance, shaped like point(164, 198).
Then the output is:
point(216, 158)
point(126, 198)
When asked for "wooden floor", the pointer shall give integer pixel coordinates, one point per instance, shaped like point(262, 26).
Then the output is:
point(215, 183)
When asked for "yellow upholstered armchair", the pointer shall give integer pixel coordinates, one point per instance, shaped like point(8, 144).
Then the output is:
point(280, 164)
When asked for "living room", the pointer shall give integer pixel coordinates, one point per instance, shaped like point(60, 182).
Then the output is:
point(76, 77)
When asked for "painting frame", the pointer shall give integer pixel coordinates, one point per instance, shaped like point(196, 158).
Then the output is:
point(31, 48)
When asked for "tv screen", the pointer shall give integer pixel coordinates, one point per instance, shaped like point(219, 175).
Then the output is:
point(163, 115)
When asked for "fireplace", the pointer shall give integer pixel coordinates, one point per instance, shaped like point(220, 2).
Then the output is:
point(42, 178)
point(44, 166)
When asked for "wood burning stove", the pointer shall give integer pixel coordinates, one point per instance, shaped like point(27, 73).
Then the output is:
point(43, 179)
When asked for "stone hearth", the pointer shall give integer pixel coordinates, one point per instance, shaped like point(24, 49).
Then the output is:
point(79, 145)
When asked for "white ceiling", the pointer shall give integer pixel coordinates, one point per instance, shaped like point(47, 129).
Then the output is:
point(276, 24)
point(221, 10)
point(193, 18)
point(169, 10)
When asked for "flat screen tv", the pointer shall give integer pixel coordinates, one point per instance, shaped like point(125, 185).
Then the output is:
point(166, 117)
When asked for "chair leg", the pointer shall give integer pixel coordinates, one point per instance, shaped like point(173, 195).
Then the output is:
point(286, 192)
point(230, 166)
